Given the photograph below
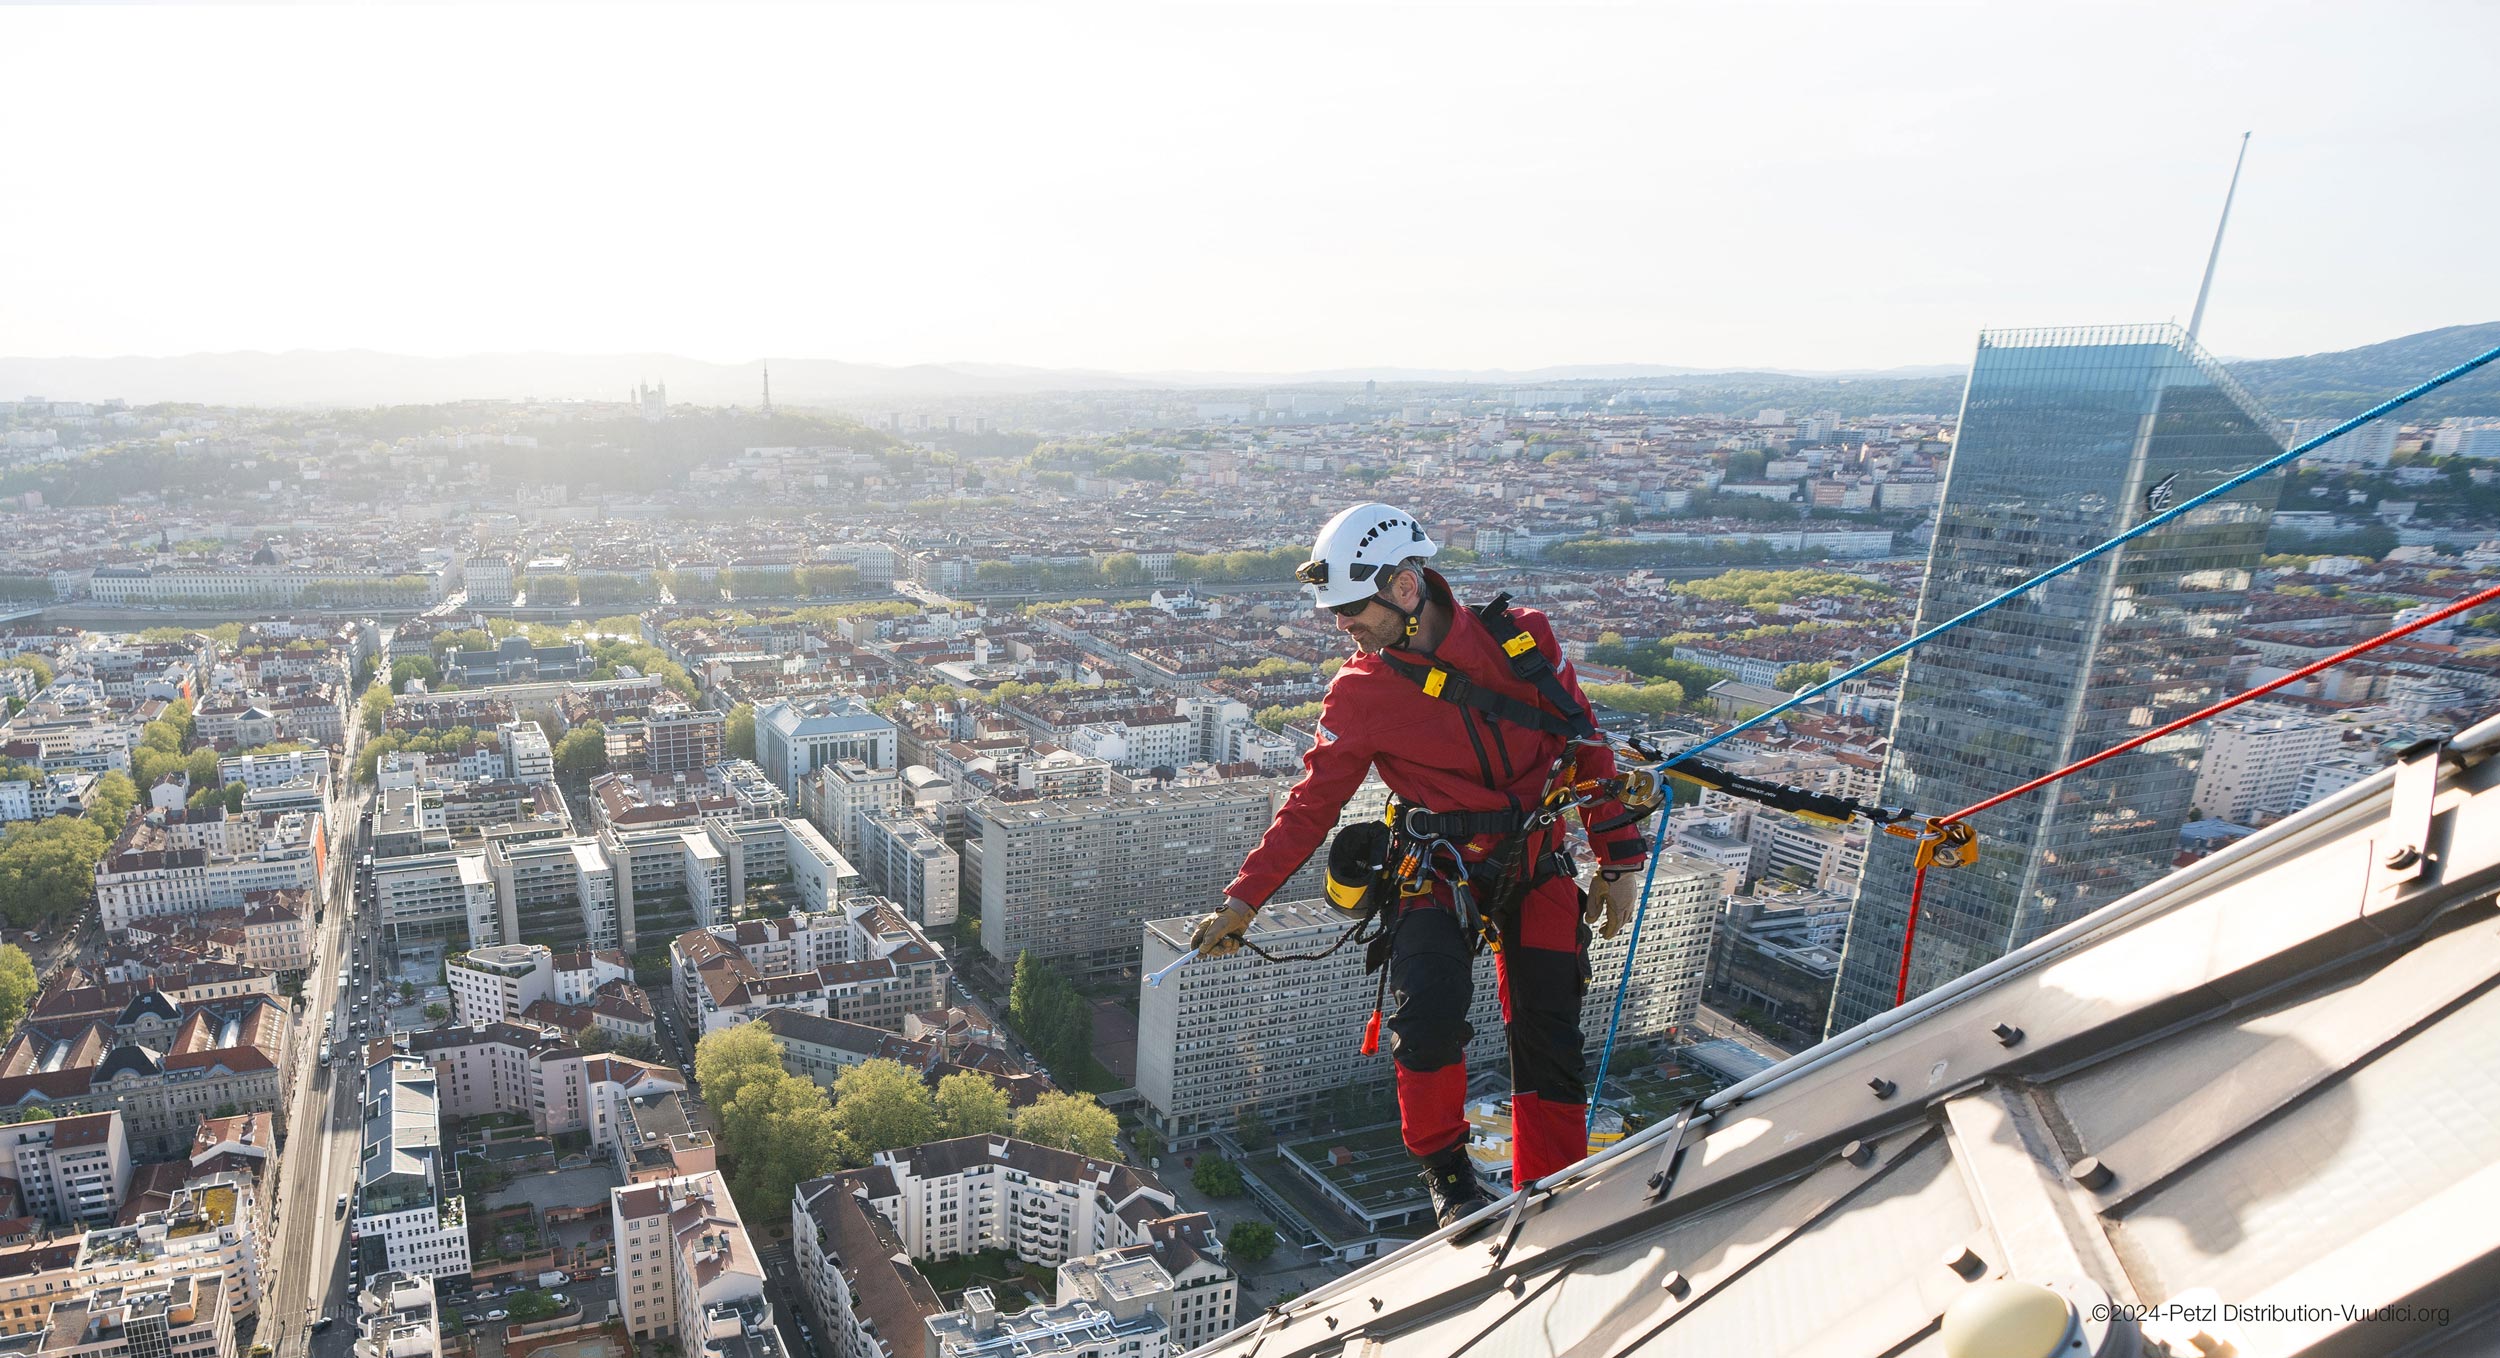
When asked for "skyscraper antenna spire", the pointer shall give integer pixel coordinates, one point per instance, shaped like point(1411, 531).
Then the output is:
point(2196, 319)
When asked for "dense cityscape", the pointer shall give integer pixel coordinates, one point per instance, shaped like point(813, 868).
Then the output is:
point(482, 878)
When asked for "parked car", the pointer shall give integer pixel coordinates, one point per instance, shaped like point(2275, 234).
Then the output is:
point(321, 1324)
point(498, 1314)
point(607, 1270)
point(560, 1302)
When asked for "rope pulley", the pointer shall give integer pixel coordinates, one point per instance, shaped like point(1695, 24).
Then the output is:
point(1942, 842)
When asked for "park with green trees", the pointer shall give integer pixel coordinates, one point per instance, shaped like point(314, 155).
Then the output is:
point(778, 1130)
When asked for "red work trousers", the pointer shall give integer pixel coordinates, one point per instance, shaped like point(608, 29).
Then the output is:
point(1543, 978)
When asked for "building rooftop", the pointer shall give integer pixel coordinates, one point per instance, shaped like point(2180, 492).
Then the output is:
point(2255, 1084)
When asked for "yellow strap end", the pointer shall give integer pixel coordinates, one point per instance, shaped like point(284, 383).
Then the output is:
point(1434, 681)
point(1520, 644)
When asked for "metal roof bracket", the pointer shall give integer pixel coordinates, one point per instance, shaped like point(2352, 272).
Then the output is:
point(2403, 849)
point(1662, 1179)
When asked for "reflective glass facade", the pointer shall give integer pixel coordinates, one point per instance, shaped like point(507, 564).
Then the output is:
point(2067, 437)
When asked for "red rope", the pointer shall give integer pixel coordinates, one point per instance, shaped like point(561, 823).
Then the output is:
point(1918, 888)
point(1918, 883)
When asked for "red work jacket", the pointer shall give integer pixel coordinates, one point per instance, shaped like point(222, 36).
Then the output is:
point(1426, 749)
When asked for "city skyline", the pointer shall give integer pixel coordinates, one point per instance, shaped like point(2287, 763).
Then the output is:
point(1258, 189)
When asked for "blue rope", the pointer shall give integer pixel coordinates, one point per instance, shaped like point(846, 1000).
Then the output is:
point(1657, 845)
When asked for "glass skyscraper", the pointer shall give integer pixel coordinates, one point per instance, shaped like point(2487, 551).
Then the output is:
point(2067, 437)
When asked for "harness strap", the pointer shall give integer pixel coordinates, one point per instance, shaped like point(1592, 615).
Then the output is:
point(1528, 664)
point(1420, 823)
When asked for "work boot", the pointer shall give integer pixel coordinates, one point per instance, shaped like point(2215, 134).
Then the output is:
point(1451, 1180)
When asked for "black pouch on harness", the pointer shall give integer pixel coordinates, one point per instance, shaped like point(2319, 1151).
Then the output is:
point(1358, 868)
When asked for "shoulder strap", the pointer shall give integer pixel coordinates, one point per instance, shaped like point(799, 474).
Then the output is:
point(1528, 664)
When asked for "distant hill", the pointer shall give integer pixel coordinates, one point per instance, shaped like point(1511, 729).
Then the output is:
point(2336, 384)
point(2349, 381)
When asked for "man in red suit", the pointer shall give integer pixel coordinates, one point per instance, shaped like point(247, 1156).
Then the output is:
point(1470, 716)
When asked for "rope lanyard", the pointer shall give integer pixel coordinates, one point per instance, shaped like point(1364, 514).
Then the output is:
point(1918, 883)
point(1658, 840)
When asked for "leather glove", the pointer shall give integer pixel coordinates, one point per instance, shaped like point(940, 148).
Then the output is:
point(1613, 895)
point(1219, 934)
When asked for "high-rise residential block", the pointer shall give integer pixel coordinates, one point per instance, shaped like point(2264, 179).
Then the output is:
point(909, 864)
point(1072, 880)
point(1218, 1037)
point(2066, 437)
point(2252, 765)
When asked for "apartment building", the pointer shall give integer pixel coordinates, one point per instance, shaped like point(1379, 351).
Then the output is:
point(560, 889)
point(205, 1230)
point(407, 1192)
point(396, 1317)
point(673, 878)
point(793, 739)
point(1812, 854)
point(855, 1274)
point(33, 1275)
point(2252, 766)
point(817, 1048)
point(50, 794)
point(834, 798)
point(908, 863)
point(668, 739)
point(498, 981)
point(1040, 1203)
point(72, 1170)
point(1220, 1036)
point(520, 1067)
point(865, 963)
point(267, 932)
point(163, 1065)
point(165, 867)
point(209, 1228)
point(449, 896)
point(858, 1232)
point(655, 1138)
point(1121, 1316)
point(258, 771)
point(1072, 881)
point(681, 1253)
point(527, 755)
point(188, 1317)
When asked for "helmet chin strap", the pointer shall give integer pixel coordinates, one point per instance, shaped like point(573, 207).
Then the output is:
point(1414, 619)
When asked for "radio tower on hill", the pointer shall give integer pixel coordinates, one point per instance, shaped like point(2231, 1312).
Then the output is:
point(768, 387)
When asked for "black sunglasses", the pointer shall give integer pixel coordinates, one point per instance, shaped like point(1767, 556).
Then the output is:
point(1354, 609)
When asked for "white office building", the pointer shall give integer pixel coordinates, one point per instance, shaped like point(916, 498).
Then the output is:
point(794, 739)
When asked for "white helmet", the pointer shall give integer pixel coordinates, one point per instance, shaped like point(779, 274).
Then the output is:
point(1354, 547)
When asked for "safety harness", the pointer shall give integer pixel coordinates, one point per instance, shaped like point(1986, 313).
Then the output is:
point(1425, 840)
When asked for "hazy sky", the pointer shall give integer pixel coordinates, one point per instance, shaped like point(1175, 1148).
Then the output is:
point(1269, 187)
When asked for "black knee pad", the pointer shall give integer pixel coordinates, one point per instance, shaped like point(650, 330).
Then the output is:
point(1432, 974)
point(1546, 1056)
